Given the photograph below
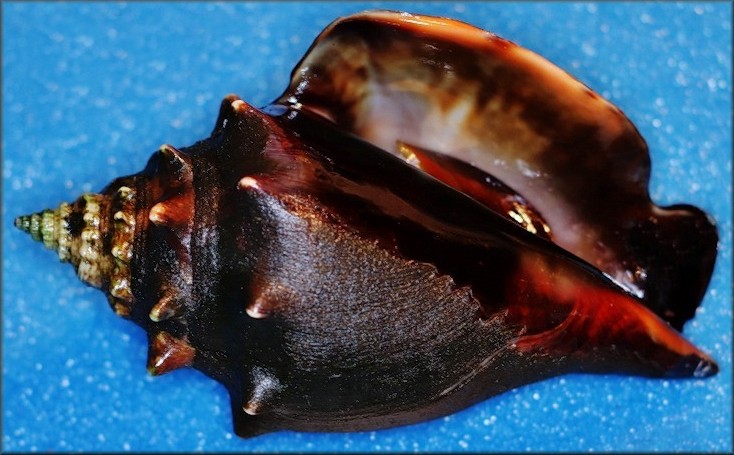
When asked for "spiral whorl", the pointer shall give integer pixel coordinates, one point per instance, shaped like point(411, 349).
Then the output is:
point(50, 227)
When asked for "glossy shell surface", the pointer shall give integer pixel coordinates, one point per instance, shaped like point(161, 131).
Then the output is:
point(124, 360)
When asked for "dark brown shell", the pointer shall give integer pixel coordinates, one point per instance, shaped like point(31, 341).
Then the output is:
point(330, 286)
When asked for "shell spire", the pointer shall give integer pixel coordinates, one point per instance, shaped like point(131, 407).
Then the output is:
point(95, 234)
point(51, 227)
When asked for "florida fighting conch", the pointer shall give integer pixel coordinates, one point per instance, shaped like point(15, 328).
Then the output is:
point(428, 216)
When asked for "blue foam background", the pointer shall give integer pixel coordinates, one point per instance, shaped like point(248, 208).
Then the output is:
point(91, 89)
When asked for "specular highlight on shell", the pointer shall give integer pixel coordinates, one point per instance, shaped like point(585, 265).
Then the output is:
point(284, 252)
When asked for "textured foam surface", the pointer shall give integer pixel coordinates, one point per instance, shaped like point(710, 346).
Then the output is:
point(90, 90)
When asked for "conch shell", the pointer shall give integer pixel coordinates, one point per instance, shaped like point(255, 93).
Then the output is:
point(427, 217)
